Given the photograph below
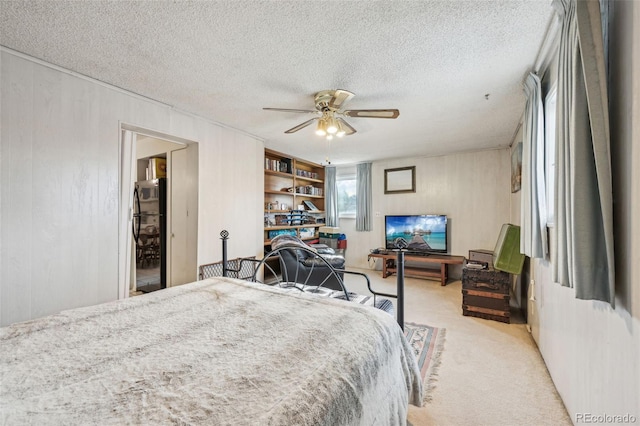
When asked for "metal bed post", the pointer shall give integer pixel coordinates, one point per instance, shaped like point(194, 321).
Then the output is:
point(224, 237)
point(400, 290)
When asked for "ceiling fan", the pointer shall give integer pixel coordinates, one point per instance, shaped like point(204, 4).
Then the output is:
point(328, 107)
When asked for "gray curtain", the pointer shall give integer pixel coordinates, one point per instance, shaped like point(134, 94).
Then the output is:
point(331, 196)
point(583, 257)
point(363, 197)
point(533, 241)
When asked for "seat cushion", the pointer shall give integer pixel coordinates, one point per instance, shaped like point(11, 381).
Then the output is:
point(323, 249)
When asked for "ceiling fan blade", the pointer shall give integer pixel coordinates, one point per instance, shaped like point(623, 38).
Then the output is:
point(348, 130)
point(372, 113)
point(314, 111)
point(339, 97)
point(301, 126)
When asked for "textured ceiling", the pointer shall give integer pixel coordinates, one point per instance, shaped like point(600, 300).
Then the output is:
point(224, 60)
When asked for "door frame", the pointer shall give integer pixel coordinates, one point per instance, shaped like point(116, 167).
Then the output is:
point(128, 134)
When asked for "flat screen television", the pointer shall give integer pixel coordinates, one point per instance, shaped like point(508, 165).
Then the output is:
point(421, 234)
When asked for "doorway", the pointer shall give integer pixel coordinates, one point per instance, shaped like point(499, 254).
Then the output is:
point(150, 216)
point(159, 211)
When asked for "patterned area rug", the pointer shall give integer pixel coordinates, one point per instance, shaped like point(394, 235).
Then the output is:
point(427, 343)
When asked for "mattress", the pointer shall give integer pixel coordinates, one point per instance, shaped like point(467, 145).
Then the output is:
point(219, 351)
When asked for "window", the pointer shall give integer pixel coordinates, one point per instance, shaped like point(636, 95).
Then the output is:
point(550, 151)
point(346, 186)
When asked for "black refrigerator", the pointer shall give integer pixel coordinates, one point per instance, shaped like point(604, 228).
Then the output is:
point(150, 234)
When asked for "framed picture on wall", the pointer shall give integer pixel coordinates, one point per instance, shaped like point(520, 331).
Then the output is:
point(516, 168)
point(400, 180)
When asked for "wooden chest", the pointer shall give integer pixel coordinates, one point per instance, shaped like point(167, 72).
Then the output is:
point(485, 294)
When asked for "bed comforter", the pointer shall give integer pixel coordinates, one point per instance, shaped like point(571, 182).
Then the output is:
point(219, 351)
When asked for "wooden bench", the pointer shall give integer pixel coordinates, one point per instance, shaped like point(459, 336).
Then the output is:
point(440, 272)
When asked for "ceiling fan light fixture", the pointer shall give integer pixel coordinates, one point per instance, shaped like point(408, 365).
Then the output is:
point(321, 130)
point(329, 137)
point(328, 113)
point(332, 126)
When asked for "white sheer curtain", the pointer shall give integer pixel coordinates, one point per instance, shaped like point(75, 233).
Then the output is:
point(533, 241)
point(331, 196)
point(363, 197)
point(583, 257)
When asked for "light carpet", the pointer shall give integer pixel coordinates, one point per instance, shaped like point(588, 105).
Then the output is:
point(491, 372)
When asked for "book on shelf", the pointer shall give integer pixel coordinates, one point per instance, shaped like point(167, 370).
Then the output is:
point(309, 190)
point(282, 165)
point(307, 174)
point(285, 165)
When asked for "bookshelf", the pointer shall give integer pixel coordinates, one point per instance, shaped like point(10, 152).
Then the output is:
point(291, 182)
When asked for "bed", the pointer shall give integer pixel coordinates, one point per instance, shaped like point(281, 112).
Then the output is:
point(220, 351)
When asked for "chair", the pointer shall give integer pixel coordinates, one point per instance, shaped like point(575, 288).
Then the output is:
point(148, 246)
point(301, 263)
point(318, 271)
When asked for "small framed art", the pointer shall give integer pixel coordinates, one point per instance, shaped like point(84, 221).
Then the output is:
point(310, 205)
point(400, 180)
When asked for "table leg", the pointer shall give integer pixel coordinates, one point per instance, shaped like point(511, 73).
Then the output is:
point(443, 274)
point(385, 264)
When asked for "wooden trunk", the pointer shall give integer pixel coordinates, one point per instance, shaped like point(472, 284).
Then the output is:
point(485, 294)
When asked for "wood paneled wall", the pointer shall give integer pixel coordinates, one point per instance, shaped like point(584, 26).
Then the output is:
point(472, 189)
point(59, 167)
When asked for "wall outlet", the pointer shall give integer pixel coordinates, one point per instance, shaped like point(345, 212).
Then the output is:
point(377, 214)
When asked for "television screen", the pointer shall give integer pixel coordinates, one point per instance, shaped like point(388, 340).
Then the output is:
point(417, 233)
